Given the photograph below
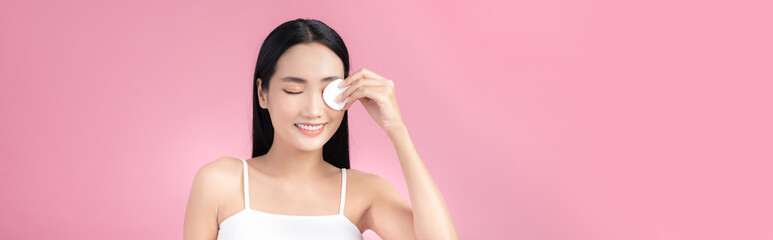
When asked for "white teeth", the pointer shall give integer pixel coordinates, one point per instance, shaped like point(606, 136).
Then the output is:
point(311, 128)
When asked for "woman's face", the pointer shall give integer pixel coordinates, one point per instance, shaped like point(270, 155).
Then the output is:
point(305, 69)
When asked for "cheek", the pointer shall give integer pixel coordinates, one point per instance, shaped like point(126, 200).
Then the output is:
point(282, 107)
point(336, 116)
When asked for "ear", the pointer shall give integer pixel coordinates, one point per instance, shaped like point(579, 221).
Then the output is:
point(261, 95)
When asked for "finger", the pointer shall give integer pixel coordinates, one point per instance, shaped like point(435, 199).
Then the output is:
point(365, 82)
point(370, 74)
point(362, 92)
point(359, 74)
point(348, 80)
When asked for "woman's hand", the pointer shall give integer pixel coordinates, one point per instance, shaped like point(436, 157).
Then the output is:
point(377, 95)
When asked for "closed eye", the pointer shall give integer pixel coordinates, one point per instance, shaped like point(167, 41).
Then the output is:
point(291, 92)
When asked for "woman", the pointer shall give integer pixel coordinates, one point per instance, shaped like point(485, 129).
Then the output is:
point(298, 185)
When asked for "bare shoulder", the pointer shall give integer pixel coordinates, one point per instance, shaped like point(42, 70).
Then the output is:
point(206, 191)
point(213, 175)
point(219, 168)
point(374, 185)
point(223, 163)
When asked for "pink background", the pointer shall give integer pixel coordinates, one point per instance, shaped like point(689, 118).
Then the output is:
point(537, 119)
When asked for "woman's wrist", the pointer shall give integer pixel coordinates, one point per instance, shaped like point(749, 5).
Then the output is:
point(396, 132)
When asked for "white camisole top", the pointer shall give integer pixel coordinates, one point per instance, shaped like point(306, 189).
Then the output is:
point(253, 224)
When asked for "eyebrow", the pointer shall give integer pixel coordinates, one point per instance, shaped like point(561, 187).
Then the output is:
point(304, 81)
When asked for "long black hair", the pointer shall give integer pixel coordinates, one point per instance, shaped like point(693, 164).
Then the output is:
point(336, 150)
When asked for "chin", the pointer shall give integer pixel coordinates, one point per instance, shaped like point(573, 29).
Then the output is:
point(308, 144)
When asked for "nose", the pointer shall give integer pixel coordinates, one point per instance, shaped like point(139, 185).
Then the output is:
point(316, 106)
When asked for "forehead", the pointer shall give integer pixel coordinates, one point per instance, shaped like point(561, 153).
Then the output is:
point(311, 61)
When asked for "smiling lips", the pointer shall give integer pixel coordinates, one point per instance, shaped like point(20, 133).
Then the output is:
point(310, 129)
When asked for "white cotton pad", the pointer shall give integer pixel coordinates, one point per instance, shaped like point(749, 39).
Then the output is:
point(331, 92)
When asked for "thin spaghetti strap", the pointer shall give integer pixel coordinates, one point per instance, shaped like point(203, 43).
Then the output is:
point(343, 191)
point(246, 186)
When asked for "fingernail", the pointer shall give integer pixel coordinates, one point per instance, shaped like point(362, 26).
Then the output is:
point(338, 99)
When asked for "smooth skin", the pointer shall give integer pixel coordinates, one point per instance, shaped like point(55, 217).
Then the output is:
point(299, 181)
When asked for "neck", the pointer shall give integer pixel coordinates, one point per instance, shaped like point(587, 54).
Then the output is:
point(290, 162)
